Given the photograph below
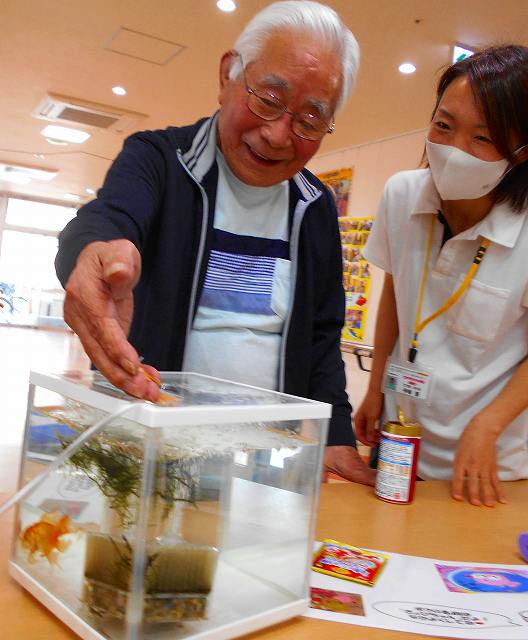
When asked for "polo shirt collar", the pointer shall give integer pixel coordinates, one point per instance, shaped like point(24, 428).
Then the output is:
point(428, 200)
point(502, 225)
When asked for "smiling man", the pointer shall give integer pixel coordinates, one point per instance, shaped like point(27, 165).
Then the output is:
point(211, 249)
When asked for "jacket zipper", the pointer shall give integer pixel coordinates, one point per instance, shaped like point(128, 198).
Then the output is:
point(201, 248)
point(298, 216)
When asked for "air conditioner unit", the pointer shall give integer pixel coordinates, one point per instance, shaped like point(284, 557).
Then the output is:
point(66, 110)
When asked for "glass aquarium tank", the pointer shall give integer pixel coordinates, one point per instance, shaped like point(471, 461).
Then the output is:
point(190, 518)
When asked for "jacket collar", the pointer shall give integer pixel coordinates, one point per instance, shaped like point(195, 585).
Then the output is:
point(200, 157)
point(502, 225)
point(201, 154)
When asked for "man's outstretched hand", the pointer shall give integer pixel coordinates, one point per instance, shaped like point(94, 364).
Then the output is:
point(99, 306)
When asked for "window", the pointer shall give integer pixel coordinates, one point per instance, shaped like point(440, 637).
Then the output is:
point(31, 292)
point(27, 259)
point(26, 213)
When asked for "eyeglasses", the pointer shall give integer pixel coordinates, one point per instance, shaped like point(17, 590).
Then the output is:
point(268, 107)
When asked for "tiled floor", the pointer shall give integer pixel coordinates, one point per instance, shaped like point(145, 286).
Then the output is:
point(20, 351)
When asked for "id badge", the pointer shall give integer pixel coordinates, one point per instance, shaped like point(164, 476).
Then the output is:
point(412, 380)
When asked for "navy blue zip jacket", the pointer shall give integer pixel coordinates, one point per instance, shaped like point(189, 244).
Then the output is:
point(160, 193)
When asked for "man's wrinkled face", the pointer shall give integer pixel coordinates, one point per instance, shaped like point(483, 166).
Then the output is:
point(296, 70)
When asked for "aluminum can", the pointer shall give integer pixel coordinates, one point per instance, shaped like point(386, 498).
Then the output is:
point(399, 448)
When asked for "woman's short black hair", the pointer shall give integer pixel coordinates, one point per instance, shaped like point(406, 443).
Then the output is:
point(499, 79)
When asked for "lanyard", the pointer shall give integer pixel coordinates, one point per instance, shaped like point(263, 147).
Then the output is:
point(419, 324)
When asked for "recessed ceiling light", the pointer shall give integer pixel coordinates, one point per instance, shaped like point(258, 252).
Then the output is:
point(460, 52)
point(119, 91)
point(90, 190)
point(71, 196)
point(407, 67)
point(226, 5)
point(65, 134)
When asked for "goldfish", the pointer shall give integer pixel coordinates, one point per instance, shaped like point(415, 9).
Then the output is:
point(44, 538)
point(164, 398)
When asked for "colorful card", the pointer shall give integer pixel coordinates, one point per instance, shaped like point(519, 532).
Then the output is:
point(337, 601)
point(483, 579)
point(341, 560)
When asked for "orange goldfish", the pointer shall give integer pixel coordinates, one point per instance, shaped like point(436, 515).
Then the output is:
point(164, 398)
point(44, 537)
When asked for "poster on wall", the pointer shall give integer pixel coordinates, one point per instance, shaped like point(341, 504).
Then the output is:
point(339, 184)
point(356, 276)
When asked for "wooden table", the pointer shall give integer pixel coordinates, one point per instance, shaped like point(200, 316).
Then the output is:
point(434, 525)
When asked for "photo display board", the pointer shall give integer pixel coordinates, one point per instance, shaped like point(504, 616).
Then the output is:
point(356, 276)
point(356, 270)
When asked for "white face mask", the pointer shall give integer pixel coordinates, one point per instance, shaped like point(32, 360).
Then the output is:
point(459, 175)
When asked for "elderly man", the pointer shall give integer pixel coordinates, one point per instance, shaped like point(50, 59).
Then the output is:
point(211, 247)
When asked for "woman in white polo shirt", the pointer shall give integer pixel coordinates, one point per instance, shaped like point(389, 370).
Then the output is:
point(453, 242)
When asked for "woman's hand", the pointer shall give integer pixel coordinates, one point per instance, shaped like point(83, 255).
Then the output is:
point(476, 464)
point(366, 418)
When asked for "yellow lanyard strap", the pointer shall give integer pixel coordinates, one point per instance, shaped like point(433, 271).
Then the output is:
point(419, 324)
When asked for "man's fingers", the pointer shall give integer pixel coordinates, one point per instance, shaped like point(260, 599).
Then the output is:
point(93, 327)
point(110, 335)
point(347, 463)
point(108, 321)
point(121, 279)
point(103, 363)
point(99, 307)
point(363, 476)
point(137, 385)
point(152, 373)
point(121, 267)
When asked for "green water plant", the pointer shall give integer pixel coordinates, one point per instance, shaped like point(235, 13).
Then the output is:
point(115, 466)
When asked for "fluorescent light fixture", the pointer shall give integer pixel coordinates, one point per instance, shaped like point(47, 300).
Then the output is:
point(407, 67)
point(226, 5)
point(71, 196)
point(90, 190)
point(57, 142)
point(460, 53)
point(119, 91)
point(23, 175)
point(14, 177)
point(65, 134)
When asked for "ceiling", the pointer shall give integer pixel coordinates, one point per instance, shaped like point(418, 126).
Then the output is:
point(67, 48)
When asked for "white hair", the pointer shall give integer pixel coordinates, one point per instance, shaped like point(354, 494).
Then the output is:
point(309, 17)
